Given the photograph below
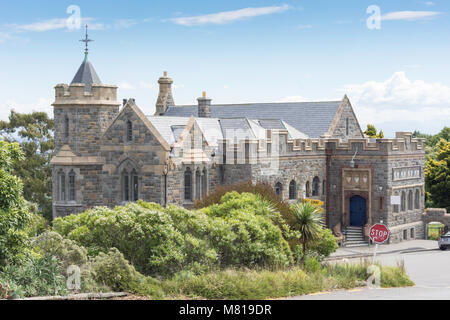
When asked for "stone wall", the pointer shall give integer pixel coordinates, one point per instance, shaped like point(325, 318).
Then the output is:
point(143, 153)
point(347, 126)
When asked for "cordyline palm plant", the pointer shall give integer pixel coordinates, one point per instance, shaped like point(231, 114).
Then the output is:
point(308, 222)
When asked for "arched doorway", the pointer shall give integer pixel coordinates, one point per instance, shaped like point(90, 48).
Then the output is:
point(358, 213)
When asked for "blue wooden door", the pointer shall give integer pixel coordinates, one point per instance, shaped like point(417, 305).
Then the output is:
point(357, 211)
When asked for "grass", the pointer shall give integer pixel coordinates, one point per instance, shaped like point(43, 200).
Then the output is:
point(244, 284)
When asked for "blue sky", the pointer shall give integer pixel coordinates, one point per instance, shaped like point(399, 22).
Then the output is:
point(397, 77)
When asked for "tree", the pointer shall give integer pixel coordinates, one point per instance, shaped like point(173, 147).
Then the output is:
point(371, 132)
point(308, 223)
point(34, 133)
point(437, 174)
point(13, 212)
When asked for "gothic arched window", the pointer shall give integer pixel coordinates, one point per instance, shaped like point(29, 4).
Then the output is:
point(188, 184)
point(126, 186)
point(324, 187)
point(135, 185)
point(279, 189)
point(315, 187)
point(417, 199)
point(62, 186)
point(292, 190)
point(204, 182)
point(307, 189)
point(72, 188)
point(198, 184)
point(403, 201)
point(410, 200)
point(129, 131)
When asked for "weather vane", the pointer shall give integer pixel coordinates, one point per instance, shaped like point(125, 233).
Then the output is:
point(86, 41)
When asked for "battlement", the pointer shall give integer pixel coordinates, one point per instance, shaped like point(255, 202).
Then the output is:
point(76, 94)
point(403, 143)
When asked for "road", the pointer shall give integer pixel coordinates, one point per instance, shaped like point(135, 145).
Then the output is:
point(430, 271)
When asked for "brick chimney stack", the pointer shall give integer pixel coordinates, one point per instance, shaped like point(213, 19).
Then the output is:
point(204, 106)
point(165, 97)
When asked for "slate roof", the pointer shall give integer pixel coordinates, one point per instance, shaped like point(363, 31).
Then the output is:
point(311, 118)
point(215, 129)
point(86, 74)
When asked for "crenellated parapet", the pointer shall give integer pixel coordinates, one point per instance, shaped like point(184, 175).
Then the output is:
point(76, 94)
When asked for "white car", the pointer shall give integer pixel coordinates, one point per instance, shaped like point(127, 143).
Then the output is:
point(444, 241)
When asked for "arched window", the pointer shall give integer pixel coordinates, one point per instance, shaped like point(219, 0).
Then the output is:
point(417, 199)
point(292, 190)
point(129, 131)
point(403, 201)
point(135, 185)
point(66, 126)
point(410, 200)
point(188, 184)
point(72, 189)
point(125, 186)
point(307, 189)
point(62, 186)
point(279, 189)
point(346, 126)
point(315, 188)
point(324, 187)
point(204, 182)
point(198, 184)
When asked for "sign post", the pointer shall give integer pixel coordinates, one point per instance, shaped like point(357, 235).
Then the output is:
point(379, 234)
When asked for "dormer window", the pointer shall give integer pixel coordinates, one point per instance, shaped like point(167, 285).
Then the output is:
point(129, 131)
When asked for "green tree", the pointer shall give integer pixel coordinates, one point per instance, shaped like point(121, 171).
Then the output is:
point(437, 174)
point(308, 223)
point(13, 209)
point(34, 133)
point(371, 132)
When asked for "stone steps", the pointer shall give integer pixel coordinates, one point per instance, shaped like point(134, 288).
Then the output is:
point(354, 237)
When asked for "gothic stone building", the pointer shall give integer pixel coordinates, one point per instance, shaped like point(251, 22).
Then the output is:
point(108, 153)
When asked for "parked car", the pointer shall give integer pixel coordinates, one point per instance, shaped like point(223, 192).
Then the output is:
point(444, 241)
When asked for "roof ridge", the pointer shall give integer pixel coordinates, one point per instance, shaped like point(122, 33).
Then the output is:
point(259, 103)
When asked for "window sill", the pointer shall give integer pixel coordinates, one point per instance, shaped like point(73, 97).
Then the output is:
point(67, 204)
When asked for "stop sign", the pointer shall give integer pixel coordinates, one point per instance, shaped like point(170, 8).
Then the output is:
point(379, 233)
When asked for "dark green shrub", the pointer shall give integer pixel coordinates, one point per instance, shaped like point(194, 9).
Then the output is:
point(263, 189)
point(159, 241)
point(35, 276)
point(67, 251)
point(114, 271)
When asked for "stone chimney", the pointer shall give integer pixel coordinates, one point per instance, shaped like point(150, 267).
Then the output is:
point(204, 106)
point(165, 97)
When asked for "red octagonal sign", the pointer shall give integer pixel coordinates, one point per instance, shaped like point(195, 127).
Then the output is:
point(379, 233)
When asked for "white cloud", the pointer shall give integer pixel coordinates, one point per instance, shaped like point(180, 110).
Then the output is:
point(229, 16)
point(41, 105)
point(409, 15)
point(55, 24)
point(399, 101)
point(126, 86)
point(145, 85)
point(306, 26)
point(4, 36)
point(124, 23)
point(293, 99)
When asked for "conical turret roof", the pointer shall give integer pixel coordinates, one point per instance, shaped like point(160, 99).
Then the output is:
point(86, 74)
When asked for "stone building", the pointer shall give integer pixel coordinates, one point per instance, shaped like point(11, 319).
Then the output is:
point(109, 153)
